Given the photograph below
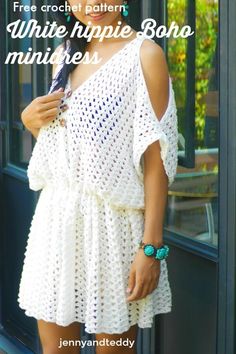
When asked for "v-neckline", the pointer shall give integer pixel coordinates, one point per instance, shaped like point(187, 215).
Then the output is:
point(99, 69)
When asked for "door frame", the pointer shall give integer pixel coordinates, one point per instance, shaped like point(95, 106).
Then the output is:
point(227, 186)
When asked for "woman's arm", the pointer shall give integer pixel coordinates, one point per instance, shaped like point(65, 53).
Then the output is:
point(145, 271)
point(34, 132)
point(156, 75)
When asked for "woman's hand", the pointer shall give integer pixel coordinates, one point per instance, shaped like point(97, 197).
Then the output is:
point(144, 276)
point(41, 110)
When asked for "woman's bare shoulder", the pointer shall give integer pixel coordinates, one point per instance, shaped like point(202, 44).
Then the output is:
point(153, 58)
point(156, 74)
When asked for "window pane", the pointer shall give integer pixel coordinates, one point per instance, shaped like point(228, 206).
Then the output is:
point(193, 198)
point(21, 95)
point(177, 54)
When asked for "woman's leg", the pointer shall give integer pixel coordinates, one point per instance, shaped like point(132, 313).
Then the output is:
point(52, 335)
point(128, 337)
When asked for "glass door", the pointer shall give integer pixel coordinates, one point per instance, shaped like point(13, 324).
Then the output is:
point(194, 68)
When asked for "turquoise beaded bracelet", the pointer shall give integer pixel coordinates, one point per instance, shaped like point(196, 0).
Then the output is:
point(158, 253)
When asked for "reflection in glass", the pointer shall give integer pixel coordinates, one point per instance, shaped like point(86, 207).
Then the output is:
point(193, 198)
point(177, 49)
point(25, 78)
point(21, 74)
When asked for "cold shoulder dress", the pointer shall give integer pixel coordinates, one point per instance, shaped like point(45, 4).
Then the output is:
point(87, 164)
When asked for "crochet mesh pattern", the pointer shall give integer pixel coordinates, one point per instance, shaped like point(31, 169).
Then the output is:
point(89, 217)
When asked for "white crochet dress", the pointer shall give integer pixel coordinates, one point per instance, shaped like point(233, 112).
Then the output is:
point(89, 217)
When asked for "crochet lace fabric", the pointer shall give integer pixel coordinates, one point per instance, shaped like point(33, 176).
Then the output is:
point(89, 217)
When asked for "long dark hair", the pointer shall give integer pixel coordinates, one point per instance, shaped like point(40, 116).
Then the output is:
point(76, 45)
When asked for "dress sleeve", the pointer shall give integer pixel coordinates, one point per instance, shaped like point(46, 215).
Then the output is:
point(148, 129)
point(36, 168)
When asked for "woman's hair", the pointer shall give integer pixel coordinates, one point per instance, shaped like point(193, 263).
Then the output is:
point(76, 45)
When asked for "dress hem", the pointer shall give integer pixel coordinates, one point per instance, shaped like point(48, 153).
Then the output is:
point(100, 329)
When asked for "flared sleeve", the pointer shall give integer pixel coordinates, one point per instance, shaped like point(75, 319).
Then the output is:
point(38, 170)
point(148, 129)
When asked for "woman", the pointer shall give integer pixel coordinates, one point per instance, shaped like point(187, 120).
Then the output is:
point(106, 151)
